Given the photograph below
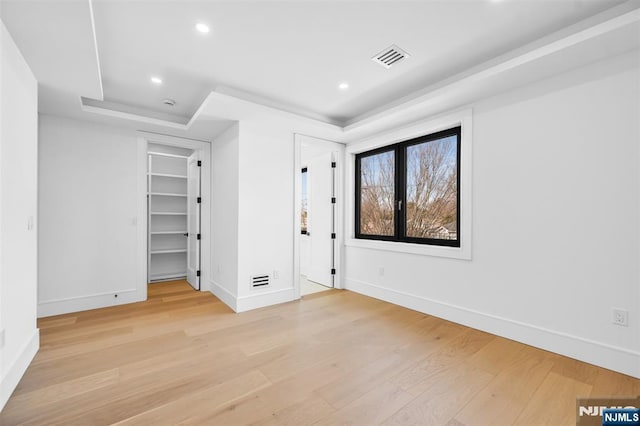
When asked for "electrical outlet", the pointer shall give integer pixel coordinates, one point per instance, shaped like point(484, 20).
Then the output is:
point(276, 275)
point(1, 339)
point(620, 317)
point(381, 272)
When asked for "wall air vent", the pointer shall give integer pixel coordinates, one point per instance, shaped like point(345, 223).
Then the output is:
point(390, 56)
point(260, 281)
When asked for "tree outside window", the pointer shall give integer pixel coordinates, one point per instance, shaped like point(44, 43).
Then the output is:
point(409, 191)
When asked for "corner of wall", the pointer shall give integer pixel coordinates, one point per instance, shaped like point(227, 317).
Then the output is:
point(10, 380)
point(19, 207)
point(223, 294)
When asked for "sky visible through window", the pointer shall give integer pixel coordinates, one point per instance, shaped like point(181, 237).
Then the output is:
point(431, 191)
point(377, 194)
point(432, 187)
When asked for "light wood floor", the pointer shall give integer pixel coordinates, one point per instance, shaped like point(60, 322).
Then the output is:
point(335, 357)
point(309, 287)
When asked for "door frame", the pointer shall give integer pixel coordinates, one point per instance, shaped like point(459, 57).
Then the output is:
point(144, 138)
point(299, 139)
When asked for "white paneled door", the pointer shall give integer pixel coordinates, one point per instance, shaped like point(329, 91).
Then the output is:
point(193, 220)
point(321, 218)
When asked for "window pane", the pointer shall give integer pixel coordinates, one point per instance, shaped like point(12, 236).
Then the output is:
point(431, 189)
point(377, 194)
point(305, 200)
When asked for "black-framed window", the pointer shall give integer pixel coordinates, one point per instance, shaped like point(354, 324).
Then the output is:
point(305, 202)
point(410, 191)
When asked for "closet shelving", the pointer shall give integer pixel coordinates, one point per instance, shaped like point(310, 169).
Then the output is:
point(167, 198)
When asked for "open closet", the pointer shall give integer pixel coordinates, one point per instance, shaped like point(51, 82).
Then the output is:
point(173, 192)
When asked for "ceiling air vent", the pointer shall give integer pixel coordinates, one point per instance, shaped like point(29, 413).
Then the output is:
point(259, 281)
point(390, 56)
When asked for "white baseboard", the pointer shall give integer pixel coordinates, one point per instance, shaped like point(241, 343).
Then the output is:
point(604, 355)
point(260, 300)
point(17, 369)
point(223, 294)
point(252, 301)
point(48, 308)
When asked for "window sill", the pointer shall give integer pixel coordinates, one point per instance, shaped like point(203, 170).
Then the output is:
point(463, 252)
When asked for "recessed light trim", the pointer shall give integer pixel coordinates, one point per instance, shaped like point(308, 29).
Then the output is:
point(203, 28)
point(343, 86)
point(156, 80)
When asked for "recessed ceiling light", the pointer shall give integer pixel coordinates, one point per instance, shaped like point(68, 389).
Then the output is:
point(156, 80)
point(203, 28)
point(343, 86)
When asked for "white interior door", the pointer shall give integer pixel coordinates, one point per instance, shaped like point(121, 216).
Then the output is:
point(321, 218)
point(193, 220)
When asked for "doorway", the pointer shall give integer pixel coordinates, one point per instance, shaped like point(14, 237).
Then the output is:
point(177, 211)
point(173, 214)
point(317, 248)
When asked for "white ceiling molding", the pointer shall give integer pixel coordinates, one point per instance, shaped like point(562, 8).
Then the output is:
point(96, 106)
point(57, 36)
point(611, 20)
point(127, 112)
point(133, 117)
point(59, 43)
point(611, 29)
point(226, 107)
point(198, 127)
point(95, 48)
point(293, 55)
point(250, 97)
point(608, 34)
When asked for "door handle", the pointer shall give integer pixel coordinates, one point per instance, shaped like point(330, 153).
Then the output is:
point(186, 234)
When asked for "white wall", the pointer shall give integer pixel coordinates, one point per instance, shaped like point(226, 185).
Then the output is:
point(265, 231)
point(556, 222)
point(259, 151)
point(18, 220)
point(224, 215)
point(88, 216)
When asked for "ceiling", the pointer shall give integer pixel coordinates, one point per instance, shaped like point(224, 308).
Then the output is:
point(289, 55)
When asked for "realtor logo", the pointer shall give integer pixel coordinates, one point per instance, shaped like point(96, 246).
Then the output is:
point(621, 417)
point(608, 411)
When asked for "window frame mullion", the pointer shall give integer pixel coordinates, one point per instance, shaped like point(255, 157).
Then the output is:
point(400, 195)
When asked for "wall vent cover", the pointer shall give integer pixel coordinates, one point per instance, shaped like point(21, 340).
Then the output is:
point(390, 56)
point(259, 281)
